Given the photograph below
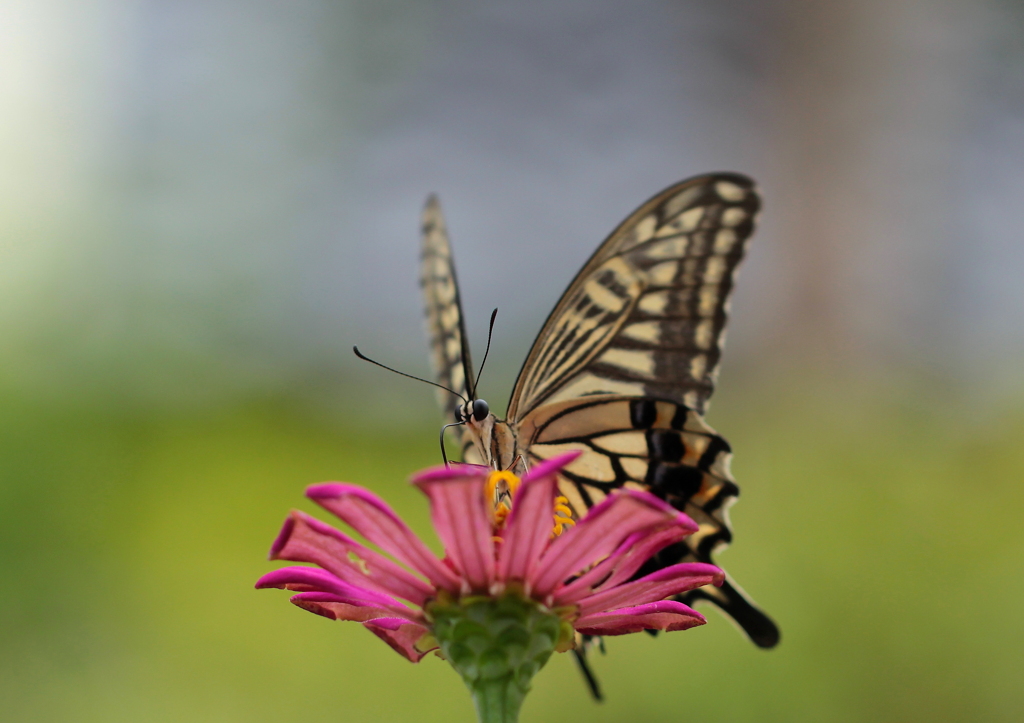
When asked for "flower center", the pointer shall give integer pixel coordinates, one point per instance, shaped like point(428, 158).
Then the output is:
point(500, 491)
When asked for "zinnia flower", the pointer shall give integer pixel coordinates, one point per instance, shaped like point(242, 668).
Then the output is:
point(519, 578)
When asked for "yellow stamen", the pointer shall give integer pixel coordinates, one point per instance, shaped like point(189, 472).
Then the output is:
point(493, 488)
point(500, 488)
point(563, 516)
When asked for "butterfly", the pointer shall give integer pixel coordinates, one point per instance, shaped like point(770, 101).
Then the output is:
point(622, 370)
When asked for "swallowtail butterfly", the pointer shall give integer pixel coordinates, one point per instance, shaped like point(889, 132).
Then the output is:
point(621, 370)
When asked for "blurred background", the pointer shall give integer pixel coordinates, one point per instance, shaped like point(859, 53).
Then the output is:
point(206, 204)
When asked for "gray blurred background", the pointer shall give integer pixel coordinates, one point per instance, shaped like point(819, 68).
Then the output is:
point(207, 197)
point(205, 204)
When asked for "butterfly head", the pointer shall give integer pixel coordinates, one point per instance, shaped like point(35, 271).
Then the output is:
point(475, 410)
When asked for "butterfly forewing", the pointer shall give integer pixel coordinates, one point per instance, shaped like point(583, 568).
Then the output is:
point(449, 348)
point(646, 314)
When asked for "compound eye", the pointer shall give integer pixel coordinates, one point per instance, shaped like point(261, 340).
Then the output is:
point(460, 417)
point(480, 410)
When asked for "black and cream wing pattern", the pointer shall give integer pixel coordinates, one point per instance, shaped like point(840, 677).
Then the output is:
point(623, 368)
point(449, 347)
point(625, 363)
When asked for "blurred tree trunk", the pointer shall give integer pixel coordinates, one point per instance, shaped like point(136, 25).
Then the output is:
point(870, 96)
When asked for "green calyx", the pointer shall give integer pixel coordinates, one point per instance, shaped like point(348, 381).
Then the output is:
point(497, 645)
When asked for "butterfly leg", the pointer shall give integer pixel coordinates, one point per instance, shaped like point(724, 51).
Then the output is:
point(580, 653)
point(519, 466)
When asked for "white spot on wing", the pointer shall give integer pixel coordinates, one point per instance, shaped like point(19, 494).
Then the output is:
point(593, 384)
point(568, 489)
point(720, 467)
point(733, 216)
point(645, 331)
point(702, 334)
point(683, 223)
point(671, 248)
point(696, 423)
point(603, 297)
point(450, 318)
point(698, 365)
point(654, 302)
point(635, 468)
point(596, 495)
point(662, 274)
point(708, 300)
point(715, 270)
point(583, 420)
point(681, 200)
point(458, 379)
point(729, 191)
point(635, 361)
point(592, 465)
point(725, 240)
point(445, 291)
point(633, 442)
point(642, 231)
point(688, 220)
point(547, 451)
point(695, 445)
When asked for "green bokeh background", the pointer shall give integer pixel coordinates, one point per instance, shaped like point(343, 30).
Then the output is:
point(883, 536)
point(204, 204)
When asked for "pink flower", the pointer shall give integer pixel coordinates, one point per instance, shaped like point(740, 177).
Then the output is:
point(583, 572)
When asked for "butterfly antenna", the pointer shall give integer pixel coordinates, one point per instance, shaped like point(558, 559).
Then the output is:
point(419, 379)
point(490, 330)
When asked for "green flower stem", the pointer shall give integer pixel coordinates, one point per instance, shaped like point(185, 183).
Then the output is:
point(497, 645)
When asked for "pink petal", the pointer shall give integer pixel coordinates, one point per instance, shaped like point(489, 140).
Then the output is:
point(667, 615)
point(620, 565)
point(371, 517)
point(659, 585)
point(402, 638)
point(528, 529)
point(339, 608)
point(600, 532)
point(644, 550)
point(316, 580)
point(461, 517)
point(456, 469)
point(401, 634)
point(307, 539)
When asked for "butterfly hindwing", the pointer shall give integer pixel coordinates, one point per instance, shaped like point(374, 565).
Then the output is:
point(646, 314)
point(449, 347)
point(656, 445)
point(660, 446)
